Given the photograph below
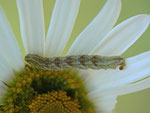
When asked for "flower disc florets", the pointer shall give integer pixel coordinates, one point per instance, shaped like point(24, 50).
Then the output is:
point(38, 91)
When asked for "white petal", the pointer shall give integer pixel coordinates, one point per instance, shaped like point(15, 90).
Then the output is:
point(32, 25)
point(3, 89)
point(138, 86)
point(93, 80)
point(105, 104)
point(6, 74)
point(138, 68)
point(143, 84)
point(9, 47)
point(61, 25)
point(123, 36)
point(97, 29)
point(6, 71)
point(121, 82)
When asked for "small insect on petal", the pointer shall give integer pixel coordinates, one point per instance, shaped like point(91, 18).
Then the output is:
point(76, 62)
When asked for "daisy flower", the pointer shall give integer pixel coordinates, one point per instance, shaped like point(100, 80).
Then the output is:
point(27, 89)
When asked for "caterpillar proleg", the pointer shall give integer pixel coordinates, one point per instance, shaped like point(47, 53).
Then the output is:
point(76, 62)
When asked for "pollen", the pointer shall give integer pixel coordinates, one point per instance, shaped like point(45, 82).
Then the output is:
point(54, 102)
point(39, 91)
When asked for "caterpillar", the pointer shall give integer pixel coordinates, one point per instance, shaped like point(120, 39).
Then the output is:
point(95, 62)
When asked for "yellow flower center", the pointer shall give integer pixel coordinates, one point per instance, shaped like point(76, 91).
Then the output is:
point(39, 91)
point(54, 102)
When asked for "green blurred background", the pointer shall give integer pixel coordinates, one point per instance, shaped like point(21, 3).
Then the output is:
point(132, 103)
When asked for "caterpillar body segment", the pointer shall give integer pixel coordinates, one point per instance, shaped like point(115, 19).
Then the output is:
point(95, 62)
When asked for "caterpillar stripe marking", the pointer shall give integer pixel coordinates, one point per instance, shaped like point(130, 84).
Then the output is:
point(95, 62)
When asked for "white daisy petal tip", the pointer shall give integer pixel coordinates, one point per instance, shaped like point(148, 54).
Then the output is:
point(61, 26)
point(149, 17)
point(97, 29)
point(122, 36)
